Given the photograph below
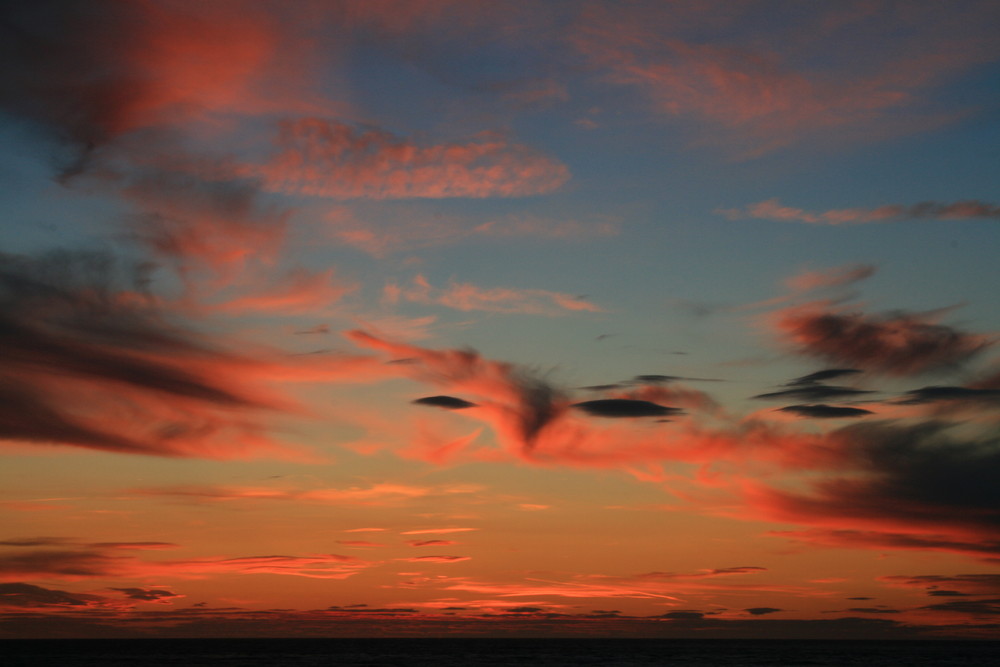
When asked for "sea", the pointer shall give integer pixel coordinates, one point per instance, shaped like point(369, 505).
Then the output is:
point(463, 652)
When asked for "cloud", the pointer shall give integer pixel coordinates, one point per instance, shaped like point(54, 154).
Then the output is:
point(91, 360)
point(815, 392)
point(436, 531)
point(402, 229)
point(761, 611)
point(435, 559)
point(327, 158)
point(926, 485)
point(83, 564)
point(623, 407)
point(381, 494)
point(975, 608)
point(894, 344)
point(938, 393)
point(467, 297)
point(147, 594)
point(959, 584)
point(756, 80)
point(430, 543)
point(519, 404)
point(808, 281)
point(822, 411)
point(29, 596)
point(447, 402)
point(772, 209)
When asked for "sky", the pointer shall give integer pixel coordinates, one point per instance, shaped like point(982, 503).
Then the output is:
point(439, 317)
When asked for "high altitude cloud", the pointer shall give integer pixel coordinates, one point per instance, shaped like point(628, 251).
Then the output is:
point(772, 209)
point(756, 91)
point(894, 343)
point(404, 228)
point(327, 158)
point(468, 297)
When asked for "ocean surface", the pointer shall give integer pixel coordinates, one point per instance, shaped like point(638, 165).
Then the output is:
point(476, 652)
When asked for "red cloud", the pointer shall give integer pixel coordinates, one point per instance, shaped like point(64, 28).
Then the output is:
point(330, 159)
point(77, 564)
point(435, 559)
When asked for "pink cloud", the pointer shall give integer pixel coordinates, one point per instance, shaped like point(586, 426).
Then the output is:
point(404, 229)
point(772, 209)
point(466, 297)
point(330, 159)
point(785, 81)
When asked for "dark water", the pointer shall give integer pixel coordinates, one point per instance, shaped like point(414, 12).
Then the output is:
point(475, 652)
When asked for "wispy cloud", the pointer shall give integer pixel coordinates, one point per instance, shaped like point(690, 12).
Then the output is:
point(469, 297)
point(772, 209)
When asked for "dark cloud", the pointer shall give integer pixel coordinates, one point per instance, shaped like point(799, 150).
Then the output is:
point(815, 392)
point(894, 344)
point(35, 564)
point(90, 359)
point(823, 376)
point(524, 610)
point(760, 611)
point(934, 477)
point(873, 610)
point(27, 595)
point(624, 407)
point(947, 393)
point(822, 411)
point(948, 594)
point(684, 615)
point(447, 402)
point(970, 607)
point(147, 594)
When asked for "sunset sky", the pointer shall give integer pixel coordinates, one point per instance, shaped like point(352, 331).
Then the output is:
point(392, 317)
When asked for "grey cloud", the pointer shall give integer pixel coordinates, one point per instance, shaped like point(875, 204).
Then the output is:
point(822, 411)
point(624, 407)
